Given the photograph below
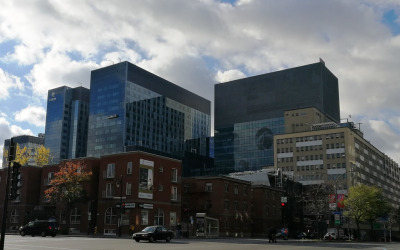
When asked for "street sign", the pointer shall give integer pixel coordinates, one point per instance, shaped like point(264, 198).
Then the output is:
point(129, 205)
point(284, 199)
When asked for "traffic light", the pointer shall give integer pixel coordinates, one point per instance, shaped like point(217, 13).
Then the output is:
point(283, 204)
point(15, 180)
point(123, 207)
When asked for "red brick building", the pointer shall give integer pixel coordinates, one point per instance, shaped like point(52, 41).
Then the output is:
point(22, 209)
point(148, 185)
point(149, 189)
point(242, 210)
point(79, 217)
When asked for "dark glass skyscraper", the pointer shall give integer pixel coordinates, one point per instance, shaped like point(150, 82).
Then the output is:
point(67, 122)
point(249, 111)
point(130, 106)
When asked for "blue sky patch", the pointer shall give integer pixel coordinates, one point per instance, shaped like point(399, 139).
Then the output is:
point(390, 19)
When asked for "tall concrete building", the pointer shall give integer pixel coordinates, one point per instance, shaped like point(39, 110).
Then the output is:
point(250, 111)
point(131, 107)
point(67, 122)
point(336, 154)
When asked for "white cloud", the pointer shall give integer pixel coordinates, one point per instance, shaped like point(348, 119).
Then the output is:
point(32, 114)
point(64, 40)
point(8, 131)
point(56, 70)
point(381, 133)
point(9, 82)
point(229, 75)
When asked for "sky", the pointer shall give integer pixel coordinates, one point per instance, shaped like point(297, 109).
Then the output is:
point(195, 44)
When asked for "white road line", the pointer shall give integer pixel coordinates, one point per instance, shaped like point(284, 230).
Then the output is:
point(40, 247)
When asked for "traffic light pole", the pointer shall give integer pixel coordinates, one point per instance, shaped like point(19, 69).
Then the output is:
point(11, 156)
point(4, 221)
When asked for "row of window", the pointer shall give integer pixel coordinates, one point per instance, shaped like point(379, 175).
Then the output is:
point(110, 173)
point(310, 148)
point(310, 138)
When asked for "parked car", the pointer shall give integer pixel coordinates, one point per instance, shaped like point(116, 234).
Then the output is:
point(330, 236)
point(154, 233)
point(40, 227)
point(301, 235)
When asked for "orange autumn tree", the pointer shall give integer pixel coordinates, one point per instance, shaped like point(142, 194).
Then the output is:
point(67, 186)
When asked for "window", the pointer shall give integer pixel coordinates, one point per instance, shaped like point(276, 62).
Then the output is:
point(14, 216)
point(50, 176)
point(128, 188)
point(174, 193)
point(75, 217)
point(236, 189)
point(144, 217)
point(174, 175)
point(129, 168)
point(226, 204)
point(160, 169)
point(208, 204)
point(109, 190)
point(172, 218)
point(226, 185)
point(209, 187)
point(159, 217)
point(111, 170)
point(110, 216)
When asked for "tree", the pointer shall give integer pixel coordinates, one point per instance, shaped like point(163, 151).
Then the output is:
point(67, 185)
point(315, 199)
point(41, 156)
point(365, 204)
point(22, 156)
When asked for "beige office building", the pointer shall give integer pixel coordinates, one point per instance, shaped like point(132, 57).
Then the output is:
point(314, 150)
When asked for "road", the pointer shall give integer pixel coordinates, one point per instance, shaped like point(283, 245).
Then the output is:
point(82, 243)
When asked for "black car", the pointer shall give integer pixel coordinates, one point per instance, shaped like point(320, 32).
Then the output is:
point(39, 227)
point(154, 233)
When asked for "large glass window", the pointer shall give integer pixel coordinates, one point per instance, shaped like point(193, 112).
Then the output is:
point(75, 217)
point(14, 216)
point(159, 217)
point(111, 170)
point(144, 217)
point(110, 217)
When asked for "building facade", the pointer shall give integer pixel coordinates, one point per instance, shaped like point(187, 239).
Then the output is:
point(150, 187)
point(241, 208)
point(336, 154)
point(132, 107)
point(67, 122)
point(24, 207)
point(250, 111)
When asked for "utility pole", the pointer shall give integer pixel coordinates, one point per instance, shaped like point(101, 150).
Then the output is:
point(11, 157)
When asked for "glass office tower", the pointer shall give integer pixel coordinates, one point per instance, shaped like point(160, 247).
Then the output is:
point(130, 106)
point(250, 111)
point(67, 122)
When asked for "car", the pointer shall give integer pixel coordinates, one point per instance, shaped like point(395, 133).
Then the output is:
point(301, 235)
point(40, 227)
point(154, 233)
point(330, 236)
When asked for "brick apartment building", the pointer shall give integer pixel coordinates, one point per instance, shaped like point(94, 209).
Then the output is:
point(149, 188)
point(242, 209)
point(147, 184)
